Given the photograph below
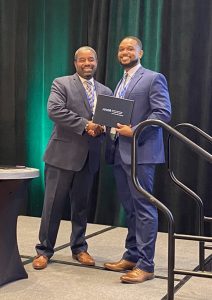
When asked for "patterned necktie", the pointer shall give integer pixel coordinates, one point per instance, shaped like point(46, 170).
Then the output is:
point(90, 93)
point(123, 86)
point(120, 93)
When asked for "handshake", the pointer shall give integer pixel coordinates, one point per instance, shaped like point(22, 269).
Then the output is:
point(93, 129)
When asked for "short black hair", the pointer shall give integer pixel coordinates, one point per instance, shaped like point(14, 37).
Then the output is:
point(84, 48)
point(134, 38)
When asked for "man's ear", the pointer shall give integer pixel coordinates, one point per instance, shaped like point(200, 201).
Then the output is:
point(141, 54)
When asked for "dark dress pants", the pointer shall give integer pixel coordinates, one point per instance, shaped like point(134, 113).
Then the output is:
point(60, 184)
point(141, 215)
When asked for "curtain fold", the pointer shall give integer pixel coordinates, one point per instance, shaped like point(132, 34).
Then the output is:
point(13, 69)
point(186, 61)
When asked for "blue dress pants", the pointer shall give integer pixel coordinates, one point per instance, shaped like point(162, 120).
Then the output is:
point(141, 215)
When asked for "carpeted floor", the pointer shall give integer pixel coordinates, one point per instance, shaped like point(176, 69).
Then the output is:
point(67, 279)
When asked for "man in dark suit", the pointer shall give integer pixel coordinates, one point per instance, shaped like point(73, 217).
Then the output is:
point(149, 91)
point(72, 156)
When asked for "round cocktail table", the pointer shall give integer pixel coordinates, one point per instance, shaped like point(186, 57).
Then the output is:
point(11, 180)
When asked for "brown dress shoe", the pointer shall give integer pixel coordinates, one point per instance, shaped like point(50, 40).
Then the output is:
point(84, 258)
point(136, 276)
point(121, 265)
point(40, 262)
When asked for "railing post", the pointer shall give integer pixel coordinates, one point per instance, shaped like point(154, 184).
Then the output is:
point(197, 199)
point(168, 214)
point(158, 204)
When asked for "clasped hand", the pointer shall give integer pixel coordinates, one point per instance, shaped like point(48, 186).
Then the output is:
point(94, 129)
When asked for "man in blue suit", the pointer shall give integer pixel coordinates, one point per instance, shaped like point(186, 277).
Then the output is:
point(149, 91)
point(72, 156)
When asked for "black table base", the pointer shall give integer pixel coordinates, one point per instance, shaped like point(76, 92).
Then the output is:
point(11, 267)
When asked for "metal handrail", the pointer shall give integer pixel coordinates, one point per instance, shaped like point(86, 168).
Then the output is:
point(196, 198)
point(195, 128)
point(155, 201)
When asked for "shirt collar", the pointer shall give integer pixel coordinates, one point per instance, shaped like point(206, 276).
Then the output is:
point(83, 79)
point(132, 71)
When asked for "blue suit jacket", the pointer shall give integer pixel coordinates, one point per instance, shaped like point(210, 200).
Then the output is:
point(69, 109)
point(149, 91)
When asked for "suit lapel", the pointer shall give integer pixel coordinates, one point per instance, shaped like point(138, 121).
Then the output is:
point(81, 90)
point(117, 87)
point(137, 76)
point(97, 88)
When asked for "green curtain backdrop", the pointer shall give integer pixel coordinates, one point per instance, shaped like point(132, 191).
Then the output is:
point(38, 41)
point(48, 57)
point(13, 78)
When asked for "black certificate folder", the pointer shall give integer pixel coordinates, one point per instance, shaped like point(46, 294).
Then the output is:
point(111, 110)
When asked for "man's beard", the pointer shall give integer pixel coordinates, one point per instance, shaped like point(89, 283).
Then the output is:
point(131, 64)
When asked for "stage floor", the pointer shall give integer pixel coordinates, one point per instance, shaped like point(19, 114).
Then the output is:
point(67, 279)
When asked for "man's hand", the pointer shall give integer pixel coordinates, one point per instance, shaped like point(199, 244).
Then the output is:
point(125, 130)
point(94, 129)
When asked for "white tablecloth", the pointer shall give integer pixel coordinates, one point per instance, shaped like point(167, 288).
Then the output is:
point(18, 173)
